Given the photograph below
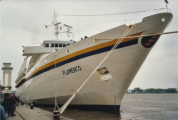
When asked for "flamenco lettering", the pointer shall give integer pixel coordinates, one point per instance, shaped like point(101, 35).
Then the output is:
point(72, 70)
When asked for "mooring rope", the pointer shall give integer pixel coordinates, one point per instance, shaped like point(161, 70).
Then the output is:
point(56, 105)
point(117, 43)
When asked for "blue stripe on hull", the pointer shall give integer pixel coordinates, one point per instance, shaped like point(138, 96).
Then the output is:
point(121, 45)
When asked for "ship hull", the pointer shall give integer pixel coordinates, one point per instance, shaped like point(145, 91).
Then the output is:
point(66, 69)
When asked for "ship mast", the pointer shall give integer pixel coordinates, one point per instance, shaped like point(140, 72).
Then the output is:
point(55, 26)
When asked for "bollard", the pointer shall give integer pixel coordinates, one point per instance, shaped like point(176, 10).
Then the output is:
point(31, 106)
point(56, 115)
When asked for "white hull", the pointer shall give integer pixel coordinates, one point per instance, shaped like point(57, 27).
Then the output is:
point(122, 64)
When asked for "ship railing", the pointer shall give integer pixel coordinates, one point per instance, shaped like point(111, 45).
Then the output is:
point(163, 10)
point(30, 66)
point(19, 79)
point(21, 74)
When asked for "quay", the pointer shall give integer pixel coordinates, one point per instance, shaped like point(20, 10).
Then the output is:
point(23, 112)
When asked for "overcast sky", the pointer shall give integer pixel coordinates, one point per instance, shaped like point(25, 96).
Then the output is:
point(22, 24)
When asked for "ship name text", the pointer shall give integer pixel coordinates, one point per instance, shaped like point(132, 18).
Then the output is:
point(72, 70)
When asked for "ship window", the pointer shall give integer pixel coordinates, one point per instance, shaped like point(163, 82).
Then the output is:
point(68, 44)
point(46, 45)
point(64, 45)
point(56, 44)
point(60, 44)
point(52, 44)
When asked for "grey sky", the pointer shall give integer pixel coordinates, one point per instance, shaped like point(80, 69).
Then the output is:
point(22, 25)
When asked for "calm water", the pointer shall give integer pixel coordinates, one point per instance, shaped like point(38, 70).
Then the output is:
point(134, 107)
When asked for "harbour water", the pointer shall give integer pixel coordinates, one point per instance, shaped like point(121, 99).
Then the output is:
point(134, 107)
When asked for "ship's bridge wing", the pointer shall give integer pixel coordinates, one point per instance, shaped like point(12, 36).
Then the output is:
point(47, 46)
point(35, 50)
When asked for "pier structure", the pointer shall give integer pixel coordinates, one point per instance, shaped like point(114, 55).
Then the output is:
point(24, 112)
point(7, 69)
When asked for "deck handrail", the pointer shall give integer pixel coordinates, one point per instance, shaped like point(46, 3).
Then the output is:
point(160, 10)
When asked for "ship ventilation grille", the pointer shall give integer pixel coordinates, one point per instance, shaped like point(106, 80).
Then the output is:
point(103, 74)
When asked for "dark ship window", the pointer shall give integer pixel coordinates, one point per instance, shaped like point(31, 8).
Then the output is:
point(56, 44)
point(64, 45)
point(52, 44)
point(60, 44)
point(47, 45)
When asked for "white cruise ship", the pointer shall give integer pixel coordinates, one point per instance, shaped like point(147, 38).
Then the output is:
point(58, 68)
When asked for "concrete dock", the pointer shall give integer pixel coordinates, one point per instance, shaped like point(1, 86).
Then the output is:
point(23, 112)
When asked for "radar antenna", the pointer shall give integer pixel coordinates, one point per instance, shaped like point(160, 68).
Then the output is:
point(68, 30)
point(56, 25)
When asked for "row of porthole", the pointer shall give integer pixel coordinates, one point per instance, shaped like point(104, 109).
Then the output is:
point(45, 93)
point(44, 82)
point(40, 94)
point(49, 81)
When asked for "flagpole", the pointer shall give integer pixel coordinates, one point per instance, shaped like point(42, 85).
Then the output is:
point(166, 1)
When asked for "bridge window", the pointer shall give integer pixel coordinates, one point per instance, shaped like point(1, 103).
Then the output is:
point(46, 45)
point(64, 45)
point(56, 44)
point(60, 44)
point(52, 44)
